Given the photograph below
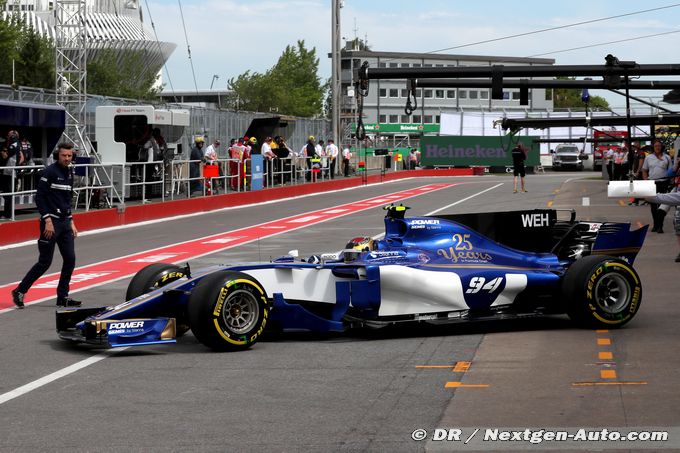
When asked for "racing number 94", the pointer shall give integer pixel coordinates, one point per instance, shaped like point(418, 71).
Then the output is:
point(478, 284)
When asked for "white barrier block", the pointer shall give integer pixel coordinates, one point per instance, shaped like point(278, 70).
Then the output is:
point(628, 189)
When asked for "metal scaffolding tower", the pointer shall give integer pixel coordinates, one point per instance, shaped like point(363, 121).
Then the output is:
point(71, 70)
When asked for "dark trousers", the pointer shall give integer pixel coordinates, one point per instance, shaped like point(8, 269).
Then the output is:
point(331, 165)
point(62, 238)
point(345, 167)
point(6, 186)
point(658, 214)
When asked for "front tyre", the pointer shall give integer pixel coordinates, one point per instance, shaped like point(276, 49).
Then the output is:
point(155, 276)
point(601, 292)
point(228, 311)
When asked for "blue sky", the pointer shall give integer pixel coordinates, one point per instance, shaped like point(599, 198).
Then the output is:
point(228, 37)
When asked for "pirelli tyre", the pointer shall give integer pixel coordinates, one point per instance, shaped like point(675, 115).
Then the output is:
point(228, 311)
point(601, 292)
point(156, 276)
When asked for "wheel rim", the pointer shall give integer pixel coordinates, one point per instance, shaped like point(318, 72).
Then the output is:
point(240, 311)
point(612, 293)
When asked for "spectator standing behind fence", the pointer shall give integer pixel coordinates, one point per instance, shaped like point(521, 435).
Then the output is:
point(53, 199)
point(519, 155)
point(268, 156)
point(332, 152)
point(6, 181)
point(346, 156)
point(310, 153)
point(196, 157)
point(655, 167)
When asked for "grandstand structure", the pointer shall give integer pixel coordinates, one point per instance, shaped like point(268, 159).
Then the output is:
point(113, 26)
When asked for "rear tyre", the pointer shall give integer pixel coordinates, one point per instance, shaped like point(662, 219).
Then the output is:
point(601, 292)
point(156, 276)
point(228, 311)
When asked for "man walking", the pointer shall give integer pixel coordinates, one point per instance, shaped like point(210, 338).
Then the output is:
point(519, 155)
point(53, 199)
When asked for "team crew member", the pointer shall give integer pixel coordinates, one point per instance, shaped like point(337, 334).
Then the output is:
point(655, 167)
point(53, 199)
point(519, 155)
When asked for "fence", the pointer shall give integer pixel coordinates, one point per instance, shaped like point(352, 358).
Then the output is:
point(107, 185)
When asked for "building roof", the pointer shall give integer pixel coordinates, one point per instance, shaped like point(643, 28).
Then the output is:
point(445, 57)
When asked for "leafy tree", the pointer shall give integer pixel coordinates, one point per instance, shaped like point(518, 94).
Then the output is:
point(571, 98)
point(36, 61)
point(122, 75)
point(10, 31)
point(292, 86)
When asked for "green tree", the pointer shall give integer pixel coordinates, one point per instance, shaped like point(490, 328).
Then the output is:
point(35, 65)
point(122, 75)
point(292, 86)
point(10, 32)
point(571, 98)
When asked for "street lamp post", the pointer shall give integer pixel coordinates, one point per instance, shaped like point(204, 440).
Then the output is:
point(213, 80)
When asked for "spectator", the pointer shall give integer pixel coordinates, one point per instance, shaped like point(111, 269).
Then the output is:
point(53, 199)
point(285, 155)
point(609, 162)
point(639, 157)
point(519, 155)
point(268, 156)
point(235, 151)
point(164, 154)
point(655, 167)
point(211, 153)
point(310, 153)
point(332, 153)
point(14, 147)
point(412, 159)
point(620, 163)
point(6, 181)
point(346, 156)
point(196, 159)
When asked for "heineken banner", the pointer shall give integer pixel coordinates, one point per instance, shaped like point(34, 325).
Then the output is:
point(474, 150)
point(411, 128)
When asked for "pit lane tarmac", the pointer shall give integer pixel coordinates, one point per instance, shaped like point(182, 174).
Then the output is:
point(365, 390)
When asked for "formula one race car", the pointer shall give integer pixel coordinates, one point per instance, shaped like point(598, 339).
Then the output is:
point(441, 269)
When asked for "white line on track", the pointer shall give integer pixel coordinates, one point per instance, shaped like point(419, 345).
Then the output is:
point(17, 392)
point(24, 389)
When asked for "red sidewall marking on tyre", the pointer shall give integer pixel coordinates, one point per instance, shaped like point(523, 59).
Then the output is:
point(97, 274)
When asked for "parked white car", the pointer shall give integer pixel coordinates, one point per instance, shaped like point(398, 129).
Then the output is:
point(568, 156)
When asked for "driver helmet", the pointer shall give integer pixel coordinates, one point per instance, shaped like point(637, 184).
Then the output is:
point(360, 244)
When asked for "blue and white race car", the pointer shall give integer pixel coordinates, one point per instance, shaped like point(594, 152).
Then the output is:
point(441, 269)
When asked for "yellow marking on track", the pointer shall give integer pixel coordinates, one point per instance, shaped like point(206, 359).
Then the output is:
point(556, 191)
point(608, 374)
point(550, 203)
point(604, 341)
point(461, 367)
point(434, 366)
point(622, 203)
point(455, 385)
point(602, 331)
point(605, 355)
point(590, 384)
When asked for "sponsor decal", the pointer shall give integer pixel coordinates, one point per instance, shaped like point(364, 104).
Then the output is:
point(592, 280)
point(451, 151)
point(535, 220)
point(425, 222)
point(115, 328)
point(423, 258)
point(463, 251)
